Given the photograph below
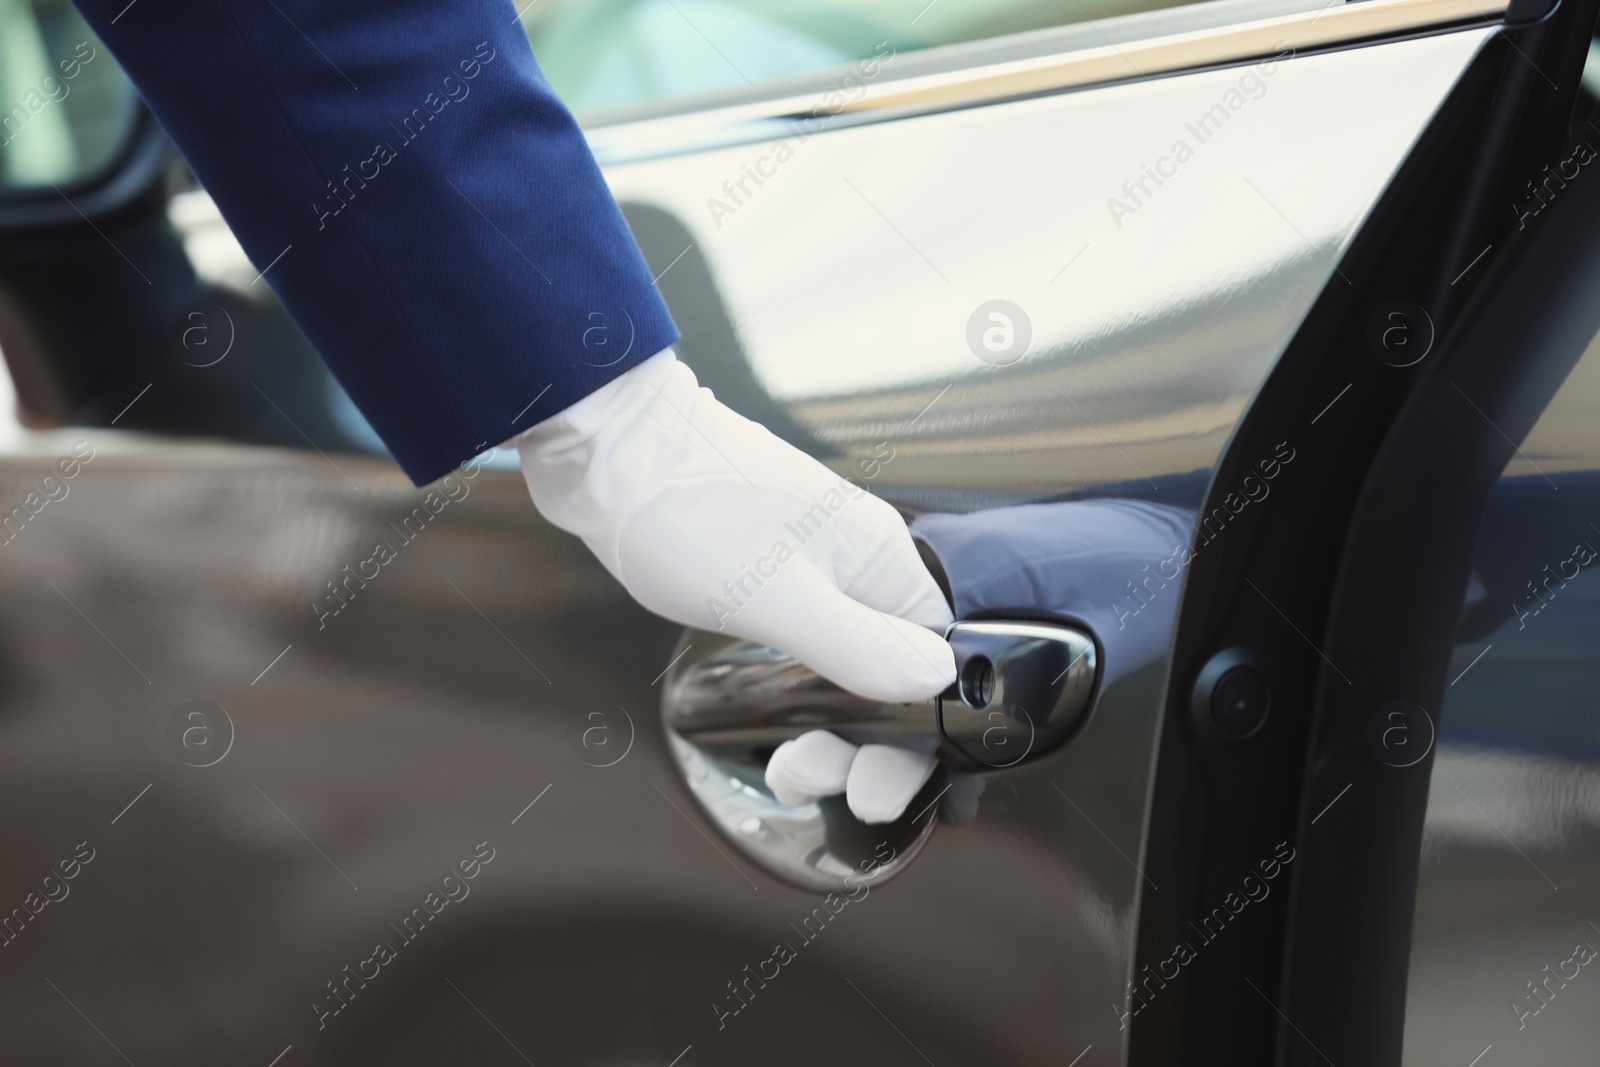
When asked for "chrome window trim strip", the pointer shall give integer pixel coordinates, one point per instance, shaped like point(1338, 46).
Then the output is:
point(1300, 32)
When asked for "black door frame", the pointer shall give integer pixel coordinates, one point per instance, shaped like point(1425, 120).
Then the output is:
point(1278, 937)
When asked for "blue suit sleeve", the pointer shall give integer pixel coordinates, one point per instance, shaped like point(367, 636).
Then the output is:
point(420, 200)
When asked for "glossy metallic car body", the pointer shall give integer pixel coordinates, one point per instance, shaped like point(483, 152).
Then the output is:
point(489, 691)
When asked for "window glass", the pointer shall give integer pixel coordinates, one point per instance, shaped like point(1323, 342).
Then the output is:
point(603, 54)
point(1505, 948)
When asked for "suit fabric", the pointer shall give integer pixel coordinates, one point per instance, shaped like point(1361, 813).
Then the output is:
point(424, 206)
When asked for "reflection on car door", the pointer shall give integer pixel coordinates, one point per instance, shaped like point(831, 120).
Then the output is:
point(320, 751)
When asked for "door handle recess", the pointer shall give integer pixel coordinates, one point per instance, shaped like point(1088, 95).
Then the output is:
point(1022, 688)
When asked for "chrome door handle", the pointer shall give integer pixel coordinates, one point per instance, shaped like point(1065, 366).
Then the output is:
point(1022, 688)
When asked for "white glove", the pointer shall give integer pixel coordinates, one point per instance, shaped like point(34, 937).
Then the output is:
point(708, 519)
point(878, 780)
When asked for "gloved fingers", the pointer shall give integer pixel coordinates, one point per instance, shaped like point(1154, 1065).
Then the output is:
point(884, 570)
point(879, 781)
point(678, 563)
point(807, 768)
point(868, 652)
point(883, 780)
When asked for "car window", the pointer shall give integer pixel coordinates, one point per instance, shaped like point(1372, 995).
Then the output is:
point(616, 53)
point(1504, 941)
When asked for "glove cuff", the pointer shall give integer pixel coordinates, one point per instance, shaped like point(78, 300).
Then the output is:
point(576, 425)
point(568, 459)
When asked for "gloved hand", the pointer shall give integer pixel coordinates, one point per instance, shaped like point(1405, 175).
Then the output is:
point(878, 781)
point(708, 519)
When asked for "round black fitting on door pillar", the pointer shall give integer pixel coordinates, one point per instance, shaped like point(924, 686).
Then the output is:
point(1231, 696)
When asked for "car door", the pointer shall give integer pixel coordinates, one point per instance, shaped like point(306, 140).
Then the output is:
point(306, 763)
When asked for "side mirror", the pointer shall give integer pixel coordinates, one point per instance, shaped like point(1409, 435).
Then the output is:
point(67, 112)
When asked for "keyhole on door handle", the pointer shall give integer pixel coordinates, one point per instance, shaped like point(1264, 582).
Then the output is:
point(976, 684)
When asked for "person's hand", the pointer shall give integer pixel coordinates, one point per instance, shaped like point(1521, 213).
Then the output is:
point(878, 781)
point(708, 519)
